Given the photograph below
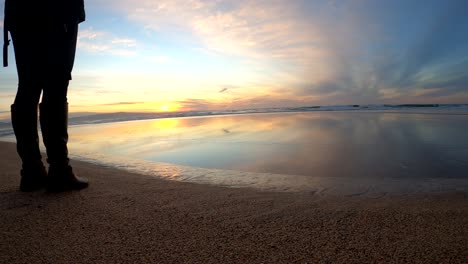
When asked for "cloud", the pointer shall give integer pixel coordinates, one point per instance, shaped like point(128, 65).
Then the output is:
point(122, 103)
point(253, 29)
point(370, 65)
point(103, 42)
point(440, 40)
point(223, 90)
point(228, 88)
point(124, 41)
point(433, 57)
point(196, 104)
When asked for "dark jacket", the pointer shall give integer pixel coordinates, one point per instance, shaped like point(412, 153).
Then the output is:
point(39, 14)
point(43, 12)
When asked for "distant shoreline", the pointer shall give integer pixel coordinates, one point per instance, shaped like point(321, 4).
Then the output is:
point(130, 116)
point(99, 118)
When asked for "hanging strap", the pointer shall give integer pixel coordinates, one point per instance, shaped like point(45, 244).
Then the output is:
point(6, 42)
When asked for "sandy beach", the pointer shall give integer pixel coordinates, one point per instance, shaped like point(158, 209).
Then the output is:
point(124, 217)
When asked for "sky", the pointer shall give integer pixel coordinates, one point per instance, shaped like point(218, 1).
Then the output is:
point(185, 55)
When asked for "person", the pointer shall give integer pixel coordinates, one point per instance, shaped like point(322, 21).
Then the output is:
point(44, 35)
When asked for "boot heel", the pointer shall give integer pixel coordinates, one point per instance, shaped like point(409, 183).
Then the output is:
point(33, 177)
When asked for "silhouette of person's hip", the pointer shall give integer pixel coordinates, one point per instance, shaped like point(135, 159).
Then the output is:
point(45, 56)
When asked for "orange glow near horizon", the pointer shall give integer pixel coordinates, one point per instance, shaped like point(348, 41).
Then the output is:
point(154, 107)
point(167, 107)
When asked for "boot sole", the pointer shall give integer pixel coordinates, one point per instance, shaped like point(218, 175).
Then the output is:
point(67, 187)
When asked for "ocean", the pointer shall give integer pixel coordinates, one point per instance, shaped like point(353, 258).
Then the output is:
point(356, 150)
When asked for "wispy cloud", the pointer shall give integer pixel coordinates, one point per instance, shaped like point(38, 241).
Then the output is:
point(104, 42)
point(223, 90)
point(122, 103)
point(254, 29)
point(124, 41)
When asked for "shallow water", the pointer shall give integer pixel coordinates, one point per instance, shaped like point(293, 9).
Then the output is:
point(326, 144)
point(365, 152)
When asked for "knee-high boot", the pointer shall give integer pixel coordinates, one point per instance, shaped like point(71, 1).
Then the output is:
point(33, 173)
point(54, 126)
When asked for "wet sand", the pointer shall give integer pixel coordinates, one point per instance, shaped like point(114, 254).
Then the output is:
point(125, 217)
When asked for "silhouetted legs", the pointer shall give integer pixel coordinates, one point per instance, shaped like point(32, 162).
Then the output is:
point(44, 59)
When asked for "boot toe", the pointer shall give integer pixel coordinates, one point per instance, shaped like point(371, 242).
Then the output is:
point(78, 183)
point(65, 180)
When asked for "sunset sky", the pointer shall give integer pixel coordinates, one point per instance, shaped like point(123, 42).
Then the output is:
point(178, 55)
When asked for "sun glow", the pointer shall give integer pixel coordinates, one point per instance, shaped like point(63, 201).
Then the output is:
point(166, 107)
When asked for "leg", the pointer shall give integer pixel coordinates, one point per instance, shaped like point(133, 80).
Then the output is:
point(54, 109)
point(24, 112)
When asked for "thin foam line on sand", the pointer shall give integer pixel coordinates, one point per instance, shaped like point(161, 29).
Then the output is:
point(373, 187)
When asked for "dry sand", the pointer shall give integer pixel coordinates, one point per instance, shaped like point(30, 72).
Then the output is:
point(124, 217)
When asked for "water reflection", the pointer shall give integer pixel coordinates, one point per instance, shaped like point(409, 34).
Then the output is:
point(325, 144)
